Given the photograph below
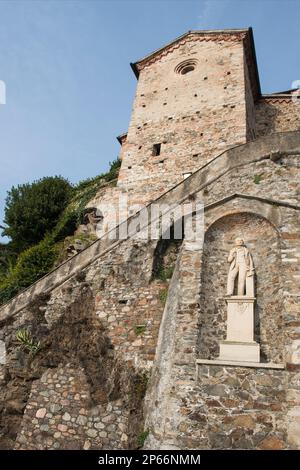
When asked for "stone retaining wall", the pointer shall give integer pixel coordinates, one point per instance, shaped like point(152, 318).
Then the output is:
point(99, 327)
point(255, 151)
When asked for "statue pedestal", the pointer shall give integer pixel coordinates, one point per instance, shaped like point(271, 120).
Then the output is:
point(239, 344)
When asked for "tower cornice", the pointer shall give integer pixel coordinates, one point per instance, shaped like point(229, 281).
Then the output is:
point(223, 35)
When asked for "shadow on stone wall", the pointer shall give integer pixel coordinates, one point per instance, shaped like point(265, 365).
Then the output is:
point(266, 116)
point(165, 255)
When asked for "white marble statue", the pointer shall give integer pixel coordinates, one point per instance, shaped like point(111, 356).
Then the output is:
point(241, 265)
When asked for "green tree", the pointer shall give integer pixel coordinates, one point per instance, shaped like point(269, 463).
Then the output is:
point(31, 265)
point(3, 260)
point(33, 209)
point(7, 259)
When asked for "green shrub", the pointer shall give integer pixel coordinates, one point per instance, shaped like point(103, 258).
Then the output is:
point(7, 259)
point(32, 210)
point(39, 217)
point(86, 190)
point(113, 170)
point(8, 289)
point(35, 262)
point(66, 226)
point(31, 265)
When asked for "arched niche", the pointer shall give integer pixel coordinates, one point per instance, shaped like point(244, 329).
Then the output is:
point(263, 241)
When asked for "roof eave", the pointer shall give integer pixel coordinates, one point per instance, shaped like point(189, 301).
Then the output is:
point(135, 69)
point(279, 93)
point(255, 61)
point(195, 31)
point(120, 138)
point(256, 86)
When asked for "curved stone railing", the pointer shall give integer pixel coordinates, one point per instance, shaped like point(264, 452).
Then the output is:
point(257, 150)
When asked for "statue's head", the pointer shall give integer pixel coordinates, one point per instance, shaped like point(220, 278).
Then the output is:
point(239, 242)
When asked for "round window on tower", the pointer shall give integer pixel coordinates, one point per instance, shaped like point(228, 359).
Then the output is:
point(186, 66)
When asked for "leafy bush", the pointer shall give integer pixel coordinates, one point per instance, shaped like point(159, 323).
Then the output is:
point(7, 259)
point(8, 289)
point(32, 210)
point(39, 216)
point(86, 190)
point(31, 265)
point(66, 226)
point(113, 170)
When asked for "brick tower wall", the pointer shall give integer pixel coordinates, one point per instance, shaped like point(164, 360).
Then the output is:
point(194, 116)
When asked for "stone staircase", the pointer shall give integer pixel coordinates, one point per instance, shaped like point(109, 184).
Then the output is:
point(269, 147)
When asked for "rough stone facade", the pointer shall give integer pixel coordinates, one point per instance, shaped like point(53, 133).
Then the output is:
point(125, 327)
point(200, 405)
point(277, 114)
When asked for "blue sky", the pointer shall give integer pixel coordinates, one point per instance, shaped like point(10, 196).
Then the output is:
point(69, 85)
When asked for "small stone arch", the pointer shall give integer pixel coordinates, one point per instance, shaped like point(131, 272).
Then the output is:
point(263, 240)
point(234, 211)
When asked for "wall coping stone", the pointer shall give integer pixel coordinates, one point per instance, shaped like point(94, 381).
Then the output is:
point(254, 365)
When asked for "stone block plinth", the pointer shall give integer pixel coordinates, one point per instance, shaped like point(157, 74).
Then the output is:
point(239, 344)
point(239, 351)
point(240, 318)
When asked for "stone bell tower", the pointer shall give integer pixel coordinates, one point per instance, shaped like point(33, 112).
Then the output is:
point(194, 98)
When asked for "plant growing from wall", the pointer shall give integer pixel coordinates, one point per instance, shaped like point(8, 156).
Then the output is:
point(142, 437)
point(163, 294)
point(139, 329)
point(164, 273)
point(27, 342)
point(257, 178)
